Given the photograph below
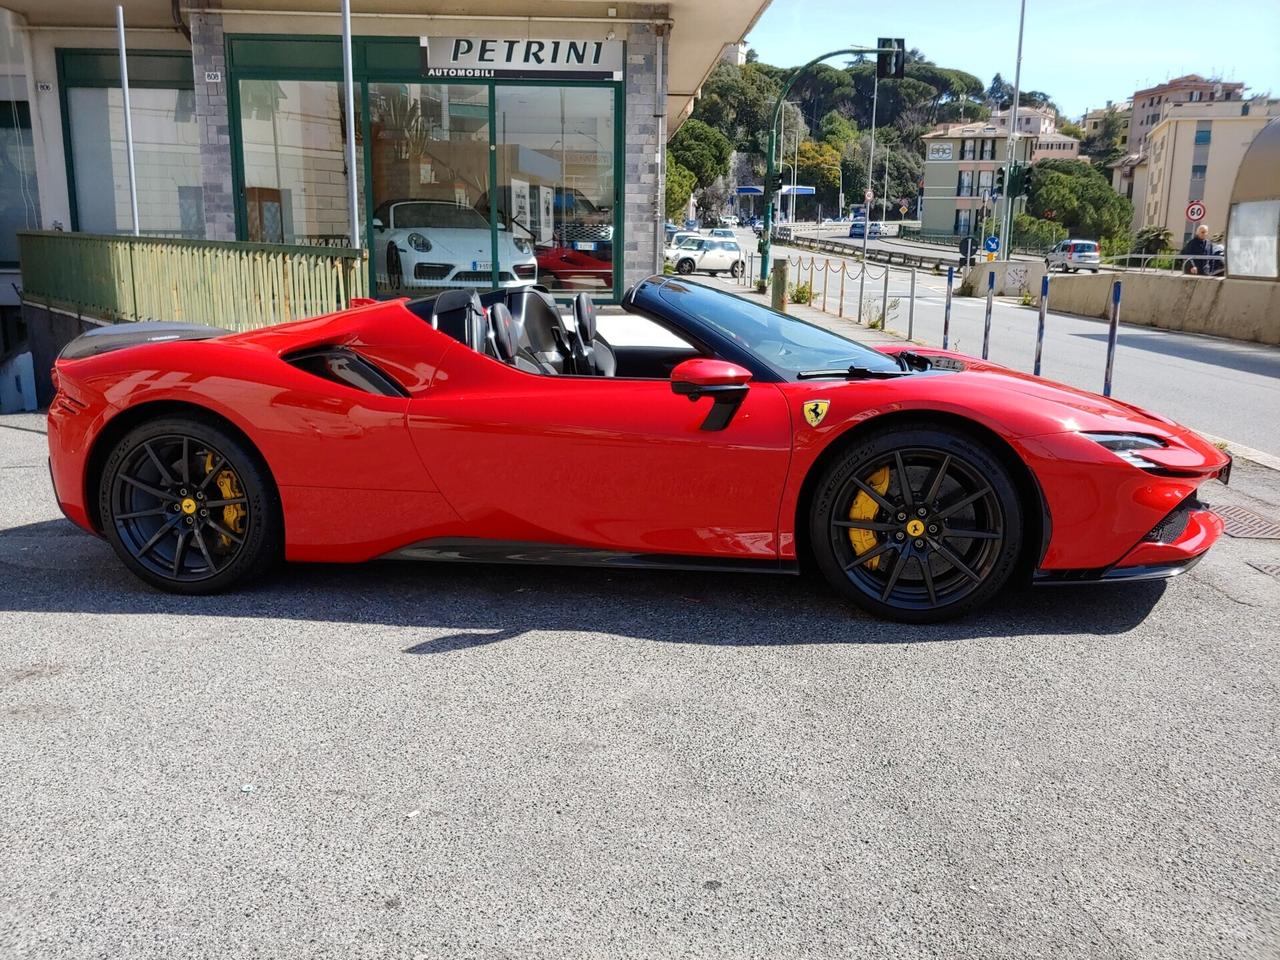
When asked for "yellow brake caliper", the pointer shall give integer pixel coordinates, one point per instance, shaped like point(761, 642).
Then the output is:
point(233, 514)
point(864, 508)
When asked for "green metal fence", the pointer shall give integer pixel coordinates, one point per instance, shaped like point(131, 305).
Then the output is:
point(238, 286)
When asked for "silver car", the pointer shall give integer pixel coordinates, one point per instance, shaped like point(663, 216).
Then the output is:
point(1070, 256)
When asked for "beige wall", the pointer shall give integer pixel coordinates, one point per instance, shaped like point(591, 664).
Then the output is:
point(1171, 152)
point(941, 176)
point(1234, 308)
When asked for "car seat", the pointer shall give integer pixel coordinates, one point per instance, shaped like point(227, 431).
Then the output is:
point(592, 355)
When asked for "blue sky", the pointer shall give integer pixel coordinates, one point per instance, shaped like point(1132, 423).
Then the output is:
point(1081, 52)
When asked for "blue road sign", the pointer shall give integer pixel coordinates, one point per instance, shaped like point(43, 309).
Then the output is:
point(991, 244)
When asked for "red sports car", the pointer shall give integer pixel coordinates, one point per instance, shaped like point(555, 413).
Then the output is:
point(490, 428)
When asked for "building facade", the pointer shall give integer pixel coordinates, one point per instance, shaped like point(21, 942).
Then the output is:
point(1032, 121)
point(1193, 154)
point(522, 131)
point(1192, 88)
point(960, 176)
point(1091, 122)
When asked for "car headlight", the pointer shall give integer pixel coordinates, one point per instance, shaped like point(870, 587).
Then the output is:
point(418, 242)
point(1128, 446)
point(522, 245)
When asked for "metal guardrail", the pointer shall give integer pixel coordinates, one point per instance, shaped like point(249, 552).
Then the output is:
point(903, 258)
point(826, 268)
point(239, 286)
point(1209, 265)
point(953, 241)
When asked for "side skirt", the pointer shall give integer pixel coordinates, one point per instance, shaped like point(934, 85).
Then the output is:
point(1067, 578)
point(468, 550)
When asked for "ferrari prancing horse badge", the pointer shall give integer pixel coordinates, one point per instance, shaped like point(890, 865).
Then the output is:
point(815, 410)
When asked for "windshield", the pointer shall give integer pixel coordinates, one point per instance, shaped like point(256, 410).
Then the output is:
point(445, 216)
point(784, 343)
point(691, 243)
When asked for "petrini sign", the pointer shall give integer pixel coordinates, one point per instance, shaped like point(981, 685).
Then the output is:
point(488, 57)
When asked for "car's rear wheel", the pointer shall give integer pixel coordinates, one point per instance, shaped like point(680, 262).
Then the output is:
point(684, 266)
point(736, 270)
point(917, 524)
point(189, 507)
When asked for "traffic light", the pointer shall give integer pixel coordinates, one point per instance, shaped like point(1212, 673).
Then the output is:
point(778, 181)
point(891, 65)
point(1000, 181)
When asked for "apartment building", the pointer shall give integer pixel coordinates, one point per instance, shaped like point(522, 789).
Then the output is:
point(1193, 153)
point(1031, 120)
point(960, 167)
point(1192, 88)
point(1092, 121)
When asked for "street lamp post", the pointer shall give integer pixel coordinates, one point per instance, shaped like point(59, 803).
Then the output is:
point(1006, 221)
point(771, 166)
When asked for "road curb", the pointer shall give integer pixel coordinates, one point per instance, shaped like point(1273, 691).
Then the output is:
point(1241, 452)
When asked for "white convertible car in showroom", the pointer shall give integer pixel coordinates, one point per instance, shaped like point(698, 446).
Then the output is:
point(434, 243)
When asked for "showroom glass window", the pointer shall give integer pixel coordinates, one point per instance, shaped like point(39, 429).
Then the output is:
point(166, 143)
point(293, 154)
point(556, 187)
point(429, 171)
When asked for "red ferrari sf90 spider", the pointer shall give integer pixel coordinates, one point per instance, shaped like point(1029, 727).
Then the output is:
point(488, 427)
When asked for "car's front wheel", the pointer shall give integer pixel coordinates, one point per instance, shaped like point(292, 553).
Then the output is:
point(917, 524)
point(685, 266)
point(736, 270)
point(189, 507)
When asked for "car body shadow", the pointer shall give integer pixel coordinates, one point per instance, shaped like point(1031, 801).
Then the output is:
point(53, 567)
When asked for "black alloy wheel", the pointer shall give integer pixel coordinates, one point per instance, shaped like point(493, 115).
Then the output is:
point(685, 266)
point(395, 270)
point(736, 270)
point(188, 507)
point(917, 525)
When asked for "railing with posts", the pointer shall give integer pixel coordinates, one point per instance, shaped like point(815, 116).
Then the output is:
point(238, 286)
point(952, 240)
point(833, 274)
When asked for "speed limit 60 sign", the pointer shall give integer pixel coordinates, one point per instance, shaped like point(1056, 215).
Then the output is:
point(1195, 211)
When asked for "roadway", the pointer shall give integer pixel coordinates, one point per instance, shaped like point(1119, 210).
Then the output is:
point(1226, 388)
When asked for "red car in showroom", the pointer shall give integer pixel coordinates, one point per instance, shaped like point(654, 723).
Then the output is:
point(488, 427)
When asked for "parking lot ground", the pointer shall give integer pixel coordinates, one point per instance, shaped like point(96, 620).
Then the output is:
point(431, 761)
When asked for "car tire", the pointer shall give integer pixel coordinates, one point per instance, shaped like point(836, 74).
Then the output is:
point(736, 270)
point(685, 266)
point(149, 482)
point(395, 270)
point(861, 513)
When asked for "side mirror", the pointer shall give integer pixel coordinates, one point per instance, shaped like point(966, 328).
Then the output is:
point(724, 382)
point(377, 224)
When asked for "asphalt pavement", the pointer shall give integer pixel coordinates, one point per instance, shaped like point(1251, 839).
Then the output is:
point(432, 761)
point(1226, 388)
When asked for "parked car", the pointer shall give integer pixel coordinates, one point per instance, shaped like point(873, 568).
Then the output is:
point(681, 237)
point(858, 226)
point(1070, 256)
point(669, 230)
point(904, 476)
point(725, 232)
point(578, 223)
point(571, 269)
point(421, 244)
point(707, 255)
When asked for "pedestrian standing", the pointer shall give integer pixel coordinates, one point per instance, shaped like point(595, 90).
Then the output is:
point(1198, 248)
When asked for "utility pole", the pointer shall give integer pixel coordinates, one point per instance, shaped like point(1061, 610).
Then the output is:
point(1006, 222)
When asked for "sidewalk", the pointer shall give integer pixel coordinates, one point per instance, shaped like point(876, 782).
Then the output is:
point(845, 326)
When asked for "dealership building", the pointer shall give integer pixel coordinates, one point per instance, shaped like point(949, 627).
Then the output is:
point(495, 140)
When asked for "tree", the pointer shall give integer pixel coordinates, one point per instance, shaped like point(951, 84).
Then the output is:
point(680, 184)
point(1078, 196)
point(1071, 129)
point(701, 149)
point(752, 56)
point(836, 129)
point(1152, 240)
point(999, 92)
point(1104, 147)
point(819, 167)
